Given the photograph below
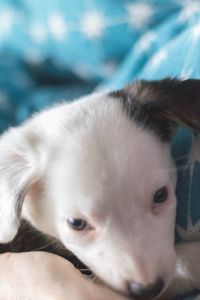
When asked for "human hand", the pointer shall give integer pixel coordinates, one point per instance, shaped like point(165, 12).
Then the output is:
point(46, 276)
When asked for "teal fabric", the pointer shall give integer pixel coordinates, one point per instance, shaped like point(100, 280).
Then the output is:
point(61, 49)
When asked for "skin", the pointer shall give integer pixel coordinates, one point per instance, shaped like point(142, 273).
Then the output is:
point(54, 279)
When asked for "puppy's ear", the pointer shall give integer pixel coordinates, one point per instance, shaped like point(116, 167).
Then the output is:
point(162, 105)
point(20, 166)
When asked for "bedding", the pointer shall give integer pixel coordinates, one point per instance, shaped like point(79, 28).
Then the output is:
point(52, 51)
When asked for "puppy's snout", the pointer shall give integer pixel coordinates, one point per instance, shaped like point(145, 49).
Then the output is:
point(141, 292)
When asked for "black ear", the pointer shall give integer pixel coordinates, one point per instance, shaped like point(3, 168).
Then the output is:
point(162, 105)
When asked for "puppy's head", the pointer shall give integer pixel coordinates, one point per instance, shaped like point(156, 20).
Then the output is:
point(98, 174)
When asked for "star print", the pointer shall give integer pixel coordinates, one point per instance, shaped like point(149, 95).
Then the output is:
point(139, 14)
point(37, 32)
point(190, 8)
point(7, 20)
point(195, 31)
point(158, 58)
point(191, 233)
point(57, 27)
point(145, 42)
point(92, 24)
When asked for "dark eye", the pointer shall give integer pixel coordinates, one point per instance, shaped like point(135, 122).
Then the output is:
point(160, 195)
point(77, 224)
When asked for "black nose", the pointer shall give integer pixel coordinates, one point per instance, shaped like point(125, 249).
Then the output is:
point(141, 292)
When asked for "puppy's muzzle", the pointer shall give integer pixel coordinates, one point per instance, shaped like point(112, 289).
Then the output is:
point(141, 292)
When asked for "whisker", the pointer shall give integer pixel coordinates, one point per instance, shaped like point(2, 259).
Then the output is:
point(53, 243)
point(84, 269)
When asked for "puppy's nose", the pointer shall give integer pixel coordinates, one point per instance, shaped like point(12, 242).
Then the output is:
point(141, 292)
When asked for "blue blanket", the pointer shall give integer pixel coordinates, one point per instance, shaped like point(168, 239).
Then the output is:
point(61, 49)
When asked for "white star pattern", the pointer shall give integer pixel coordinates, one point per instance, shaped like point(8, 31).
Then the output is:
point(7, 20)
point(158, 58)
point(38, 32)
point(195, 31)
point(57, 27)
point(139, 14)
point(191, 233)
point(93, 24)
point(190, 8)
point(145, 42)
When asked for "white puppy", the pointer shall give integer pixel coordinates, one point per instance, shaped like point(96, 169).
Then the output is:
point(98, 175)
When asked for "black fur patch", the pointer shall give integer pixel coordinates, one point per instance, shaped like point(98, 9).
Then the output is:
point(146, 116)
point(162, 105)
point(30, 239)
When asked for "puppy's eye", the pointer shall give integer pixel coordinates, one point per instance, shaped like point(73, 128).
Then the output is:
point(160, 195)
point(78, 224)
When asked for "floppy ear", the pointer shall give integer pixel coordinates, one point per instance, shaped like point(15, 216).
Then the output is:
point(20, 167)
point(162, 105)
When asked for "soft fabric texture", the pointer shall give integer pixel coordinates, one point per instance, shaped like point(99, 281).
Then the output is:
point(57, 50)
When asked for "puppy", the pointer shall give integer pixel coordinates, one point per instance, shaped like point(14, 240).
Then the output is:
point(98, 175)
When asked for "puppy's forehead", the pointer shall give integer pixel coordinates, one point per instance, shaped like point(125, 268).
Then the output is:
point(139, 101)
point(106, 157)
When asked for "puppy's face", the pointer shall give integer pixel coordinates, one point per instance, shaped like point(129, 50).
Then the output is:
point(98, 175)
point(113, 186)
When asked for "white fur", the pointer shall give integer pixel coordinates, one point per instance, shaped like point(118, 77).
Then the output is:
point(88, 159)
